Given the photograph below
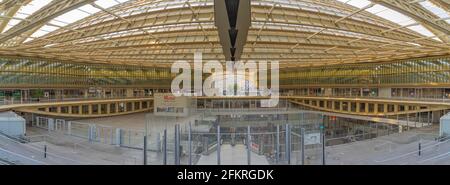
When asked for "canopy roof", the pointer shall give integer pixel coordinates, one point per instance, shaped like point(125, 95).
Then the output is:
point(158, 32)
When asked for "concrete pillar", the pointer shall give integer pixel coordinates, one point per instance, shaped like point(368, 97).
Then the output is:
point(69, 109)
point(358, 106)
point(90, 109)
point(85, 93)
point(375, 108)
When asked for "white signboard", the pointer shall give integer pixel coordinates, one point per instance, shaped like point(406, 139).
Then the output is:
point(169, 100)
point(169, 105)
point(312, 138)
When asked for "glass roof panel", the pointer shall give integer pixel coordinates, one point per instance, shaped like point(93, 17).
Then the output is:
point(25, 11)
point(357, 3)
point(73, 16)
point(436, 10)
point(392, 16)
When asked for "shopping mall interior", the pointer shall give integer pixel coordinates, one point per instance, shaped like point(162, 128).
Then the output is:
point(224, 82)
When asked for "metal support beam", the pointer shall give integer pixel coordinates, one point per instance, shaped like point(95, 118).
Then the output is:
point(233, 20)
point(418, 13)
point(46, 14)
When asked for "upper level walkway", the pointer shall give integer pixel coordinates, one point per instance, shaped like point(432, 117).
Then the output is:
point(110, 107)
point(84, 108)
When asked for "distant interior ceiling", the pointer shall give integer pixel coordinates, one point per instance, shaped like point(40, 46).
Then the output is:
point(297, 33)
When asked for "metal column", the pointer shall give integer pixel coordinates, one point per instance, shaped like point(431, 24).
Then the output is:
point(303, 146)
point(165, 147)
point(249, 146)
point(277, 147)
point(288, 145)
point(323, 146)
point(420, 148)
point(177, 144)
point(323, 140)
point(145, 150)
point(190, 143)
point(218, 144)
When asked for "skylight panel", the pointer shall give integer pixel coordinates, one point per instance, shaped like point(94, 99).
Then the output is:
point(381, 11)
point(108, 3)
point(73, 16)
point(44, 30)
point(434, 9)
point(26, 11)
point(41, 32)
point(422, 30)
point(393, 16)
point(399, 18)
point(357, 3)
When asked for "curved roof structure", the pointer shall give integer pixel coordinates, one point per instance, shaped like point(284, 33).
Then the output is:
point(157, 32)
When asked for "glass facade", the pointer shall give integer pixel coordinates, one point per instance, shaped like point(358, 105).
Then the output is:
point(35, 72)
point(18, 72)
point(435, 70)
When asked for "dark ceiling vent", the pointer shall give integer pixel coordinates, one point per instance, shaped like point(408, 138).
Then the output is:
point(233, 51)
point(232, 10)
point(233, 18)
point(233, 36)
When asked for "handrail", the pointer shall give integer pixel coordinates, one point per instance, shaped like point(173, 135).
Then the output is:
point(39, 150)
point(44, 100)
point(413, 152)
point(21, 157)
